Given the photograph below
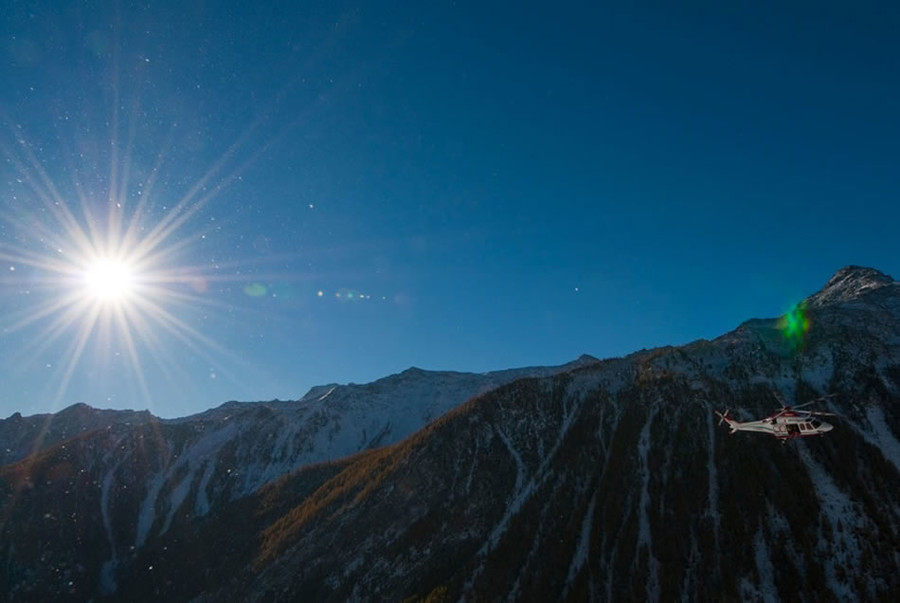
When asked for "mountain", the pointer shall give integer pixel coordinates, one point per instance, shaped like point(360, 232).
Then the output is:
point(21, 436)
point(603, 480)
point(110, 481)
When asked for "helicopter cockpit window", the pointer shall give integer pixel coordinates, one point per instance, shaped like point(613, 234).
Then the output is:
point(815, 423)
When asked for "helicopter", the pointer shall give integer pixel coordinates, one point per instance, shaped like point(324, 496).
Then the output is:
point(788, 422)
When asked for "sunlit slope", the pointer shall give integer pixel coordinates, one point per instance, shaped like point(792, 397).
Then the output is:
point(89, 488)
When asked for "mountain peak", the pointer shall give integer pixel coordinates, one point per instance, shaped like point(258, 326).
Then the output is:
point(849, 283)
point(584, 360)
point(76, 409)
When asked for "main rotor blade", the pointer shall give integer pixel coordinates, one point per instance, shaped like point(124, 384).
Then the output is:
point(813, 401)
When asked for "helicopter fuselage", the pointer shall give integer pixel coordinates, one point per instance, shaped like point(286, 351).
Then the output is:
point(784, 425)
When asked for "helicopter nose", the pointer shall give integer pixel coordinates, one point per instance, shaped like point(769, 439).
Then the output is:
point(826, 426)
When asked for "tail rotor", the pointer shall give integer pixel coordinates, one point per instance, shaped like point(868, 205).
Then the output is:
point(724, 418)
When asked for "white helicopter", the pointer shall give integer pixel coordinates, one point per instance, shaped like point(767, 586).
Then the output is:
point(789, 422)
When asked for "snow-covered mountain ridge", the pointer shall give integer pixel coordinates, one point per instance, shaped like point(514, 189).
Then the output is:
point(600, 480)
point(852, 282)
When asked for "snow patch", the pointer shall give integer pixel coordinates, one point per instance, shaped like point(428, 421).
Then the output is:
point(584, 543)
point(887, 442)
point(644, 537)
point(179, 494)
point(838, 510)
point(326, 394)
point(108, 576)
point(819, 373)
point(521, 491)
point(147, 514)
point(107, 572)
point(764, 569)
point(712, 492)
point(201, 505)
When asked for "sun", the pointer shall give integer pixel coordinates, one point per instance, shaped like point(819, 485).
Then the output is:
point(110, 280)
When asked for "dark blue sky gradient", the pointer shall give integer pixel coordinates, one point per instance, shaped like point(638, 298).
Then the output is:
point(470, 185)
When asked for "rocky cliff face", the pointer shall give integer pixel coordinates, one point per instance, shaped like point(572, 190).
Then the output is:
point(604, 481)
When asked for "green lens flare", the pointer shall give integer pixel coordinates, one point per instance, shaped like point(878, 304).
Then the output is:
point(795, 325)
point(255, 290)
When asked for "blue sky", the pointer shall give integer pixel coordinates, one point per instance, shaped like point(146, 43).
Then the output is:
point(356, 188)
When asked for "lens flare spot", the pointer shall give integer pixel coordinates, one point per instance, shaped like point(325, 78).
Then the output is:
point(351, 295)
point(198, 284)
point(255, 290)
point(795, 325)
